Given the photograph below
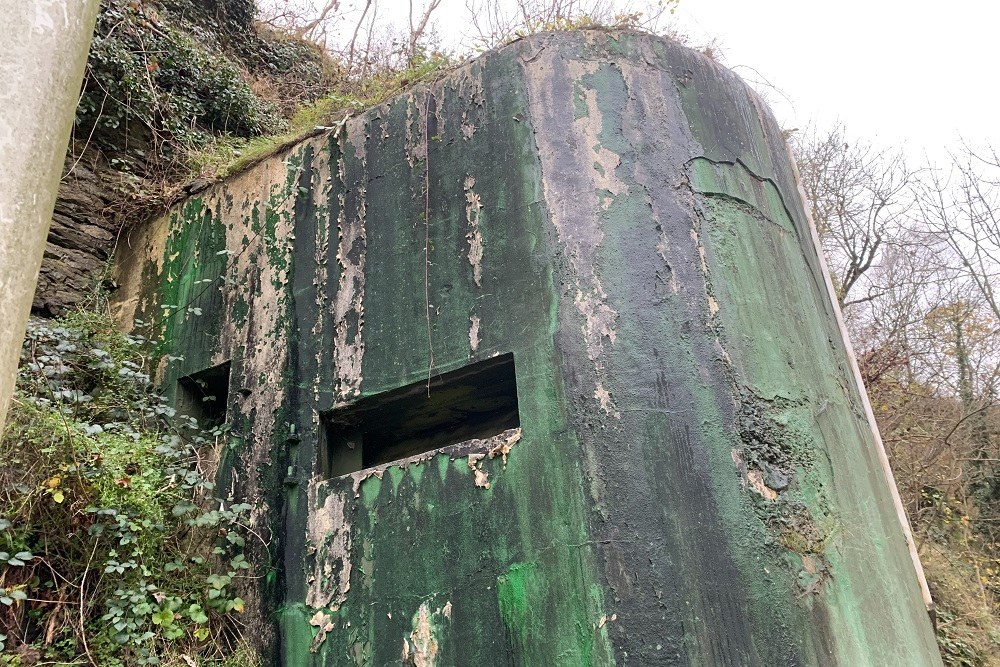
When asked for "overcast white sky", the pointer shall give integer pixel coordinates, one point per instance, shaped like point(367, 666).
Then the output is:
point(914, 73)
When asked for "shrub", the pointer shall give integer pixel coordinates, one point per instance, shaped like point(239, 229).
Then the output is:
point(111, 544)
point(152, 81)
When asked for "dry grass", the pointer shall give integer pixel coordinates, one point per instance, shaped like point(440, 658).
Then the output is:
point(968, 624)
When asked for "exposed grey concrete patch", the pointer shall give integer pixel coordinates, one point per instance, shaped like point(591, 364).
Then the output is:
point(421, 648)
point(589, 173)
point(468, 129)
point(473, 207)
point(470, 90)
point(415, 128)
point(323, 621)
point(474, 332)
point(503, 443)
point(348, 304)
point(604, 399)
point(321, 186)
point(329, 538)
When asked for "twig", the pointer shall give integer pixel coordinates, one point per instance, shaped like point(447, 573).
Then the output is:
point(83, 630)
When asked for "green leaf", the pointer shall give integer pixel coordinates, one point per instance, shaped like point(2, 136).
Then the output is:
point(197, 614)
point(164, 618)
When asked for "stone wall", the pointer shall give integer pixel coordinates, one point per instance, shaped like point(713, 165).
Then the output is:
point(81, 237)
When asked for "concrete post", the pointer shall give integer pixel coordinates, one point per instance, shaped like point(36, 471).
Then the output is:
point(43, 50)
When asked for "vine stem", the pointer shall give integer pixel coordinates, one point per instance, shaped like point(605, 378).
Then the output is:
point(427, 235)
point(83, 630)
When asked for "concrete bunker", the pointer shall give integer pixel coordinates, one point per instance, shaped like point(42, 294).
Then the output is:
point(694, 479)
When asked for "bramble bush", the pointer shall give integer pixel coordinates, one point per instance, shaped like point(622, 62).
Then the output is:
point(113, 549)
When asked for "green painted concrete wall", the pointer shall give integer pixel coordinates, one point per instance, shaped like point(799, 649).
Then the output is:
point(694, 481)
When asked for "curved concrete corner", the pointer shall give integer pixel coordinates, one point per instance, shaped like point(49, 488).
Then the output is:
point(692, 480)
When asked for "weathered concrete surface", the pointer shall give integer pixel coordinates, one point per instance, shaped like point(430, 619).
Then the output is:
point(694, 481)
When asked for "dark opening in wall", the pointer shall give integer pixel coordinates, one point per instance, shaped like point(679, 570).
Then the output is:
point(204, 395)
point(475, 402)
